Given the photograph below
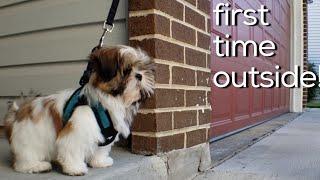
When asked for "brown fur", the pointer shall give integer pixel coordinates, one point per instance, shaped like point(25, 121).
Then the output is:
point(54, 113)
point(111, 71)
point(8, 130)
point(66, 130)
point(25, 111)
point(57, 120)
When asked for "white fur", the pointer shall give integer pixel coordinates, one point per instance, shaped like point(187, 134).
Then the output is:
point(36, 144)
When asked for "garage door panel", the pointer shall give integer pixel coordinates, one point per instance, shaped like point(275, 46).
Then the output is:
point(254, 4)
point(242, 103)
point(243, 31)
point(283, 97)
point(268, 96)
point(257, 101)
point(276, 99)
point(276, 10)
point(258, 33)
point(283, 17)
point(277, 57)
point(234, 108)
point(221, 29)
point(269, 4)
point(223, 109)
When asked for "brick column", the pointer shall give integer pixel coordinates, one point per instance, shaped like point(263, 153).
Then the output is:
point(177, 34)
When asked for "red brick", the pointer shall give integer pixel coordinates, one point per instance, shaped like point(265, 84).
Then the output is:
point(170, 7)
point(144, 145)
point(203, 78)
point(183, 33)
point(149, 103)
point(164, 98)
point(164, 121)
point(203, 41)
point(169, 98)
point(136, 5)
point(150, 24)
point(161, 49)
point(162, 74)
point(209, 61)
point(204, 5)
point(185, 119)
point(169, 143)
point(209, 97)
point(152, 145)
point(194, 98)
point(152, 122)
point(193, 2)
point(196, 137)
point(195, 58)
point(183, 76)
point(194, 18)
point(204, 116)
point(209, 25)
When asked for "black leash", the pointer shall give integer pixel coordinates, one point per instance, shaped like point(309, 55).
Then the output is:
point(109, 133)
point(107, 28)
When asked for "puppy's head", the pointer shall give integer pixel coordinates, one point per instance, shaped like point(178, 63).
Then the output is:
point(123, 71)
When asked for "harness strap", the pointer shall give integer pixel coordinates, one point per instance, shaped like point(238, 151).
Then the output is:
point(105, 124)
point(71, 105)
point(102, 116)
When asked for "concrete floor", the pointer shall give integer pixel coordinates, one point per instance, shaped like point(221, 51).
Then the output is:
point(126, 166)
point(226, 148)
point(290, 153)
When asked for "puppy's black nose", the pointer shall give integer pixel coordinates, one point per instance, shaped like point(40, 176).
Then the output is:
point(139, 76)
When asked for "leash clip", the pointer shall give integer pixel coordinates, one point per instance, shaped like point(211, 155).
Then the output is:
point(106, 29)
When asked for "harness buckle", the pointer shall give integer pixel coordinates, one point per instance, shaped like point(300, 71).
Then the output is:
point(106, 28)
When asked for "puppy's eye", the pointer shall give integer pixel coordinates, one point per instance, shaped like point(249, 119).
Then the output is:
point(127, 71)
point(139, 76)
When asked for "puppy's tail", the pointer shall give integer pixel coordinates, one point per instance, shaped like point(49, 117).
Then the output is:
point(10, 117)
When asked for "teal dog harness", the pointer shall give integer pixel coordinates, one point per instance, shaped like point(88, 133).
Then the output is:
point(102, 115)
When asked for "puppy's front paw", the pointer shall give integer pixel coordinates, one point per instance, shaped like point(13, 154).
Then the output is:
point(72, 170)
point(101, 163)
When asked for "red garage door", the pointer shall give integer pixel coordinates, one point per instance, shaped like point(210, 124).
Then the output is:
point(235, 108)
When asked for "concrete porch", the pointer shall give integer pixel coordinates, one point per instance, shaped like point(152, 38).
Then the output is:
point(178, 164)
point(126, 166)
point(292, 152)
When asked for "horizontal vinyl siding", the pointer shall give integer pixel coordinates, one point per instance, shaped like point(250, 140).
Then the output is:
point(44, 44)
point(4, 3)
point(314, 32)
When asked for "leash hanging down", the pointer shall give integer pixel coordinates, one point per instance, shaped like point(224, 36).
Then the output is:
point(77, 99)
point(107, 27)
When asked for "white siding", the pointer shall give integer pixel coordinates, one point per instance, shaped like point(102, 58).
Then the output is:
point(44, 43)
point(314, 32)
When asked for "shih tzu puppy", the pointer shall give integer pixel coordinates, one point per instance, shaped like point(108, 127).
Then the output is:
point(121, 78)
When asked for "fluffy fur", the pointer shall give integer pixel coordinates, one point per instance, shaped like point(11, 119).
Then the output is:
point(122, 78)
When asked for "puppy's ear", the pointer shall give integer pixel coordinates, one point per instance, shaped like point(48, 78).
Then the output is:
point(106, 63)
